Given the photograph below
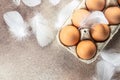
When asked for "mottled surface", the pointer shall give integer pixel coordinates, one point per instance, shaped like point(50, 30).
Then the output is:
point(26, 60)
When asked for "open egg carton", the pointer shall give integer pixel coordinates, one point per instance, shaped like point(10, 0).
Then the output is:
point(100, 45)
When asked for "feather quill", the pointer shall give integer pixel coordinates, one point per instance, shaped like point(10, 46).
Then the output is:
point(54, 2)
point(17, 26)
point(65, 13)
point(17, 2)
point(43, 32)
point(31, 3)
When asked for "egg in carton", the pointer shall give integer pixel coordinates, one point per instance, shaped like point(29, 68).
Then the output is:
point(119, 2)
point(85, 33)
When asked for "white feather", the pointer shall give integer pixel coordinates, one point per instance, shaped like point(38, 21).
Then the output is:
point(17, 2)
point(109, 65)
point(96, 17)
point(16, 24)
point(94, 78)
point(105, 70)
point(113, 58)
point(54, 2)
point(65, 13)
point(31, 3)
point(44, 33)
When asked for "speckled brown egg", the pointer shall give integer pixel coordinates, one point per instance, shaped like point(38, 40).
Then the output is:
point(100, 32)
point(113, 15)
point(86, 49)
point(69, 35)
point(78, 16)
point(94, 5)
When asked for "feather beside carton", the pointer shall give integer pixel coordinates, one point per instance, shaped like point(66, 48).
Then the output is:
point(109, 64)
point(43, 32)
point(65, 13)
point(17, 2)
point(54, 2)
point(16, 25)
point(31, 3)
point(105, 70)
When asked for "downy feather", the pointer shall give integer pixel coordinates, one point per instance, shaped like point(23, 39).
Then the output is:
point(96, 17)
point(54, 2)
point(16, 24)
point(65, 13)
point(43, 32)
point(17, 2)
point(109, 64)
point(113, 58)
point(105, 70)
point(31, 3)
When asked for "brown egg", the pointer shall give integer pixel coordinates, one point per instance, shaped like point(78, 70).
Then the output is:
point(119, 2)
point(86, 49)
point(94, 5)
point(113, 15)
point(78, 16)
point(69, 35)
point(100, 32)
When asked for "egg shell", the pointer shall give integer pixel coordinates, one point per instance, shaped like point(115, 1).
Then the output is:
point(94, 5)
point(100, 32)
point(119, 2)
point(79, 15)
point(69, 35)
point(113, 15)
point(86, 49)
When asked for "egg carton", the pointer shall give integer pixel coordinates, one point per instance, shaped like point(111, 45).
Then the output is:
point(100, 45)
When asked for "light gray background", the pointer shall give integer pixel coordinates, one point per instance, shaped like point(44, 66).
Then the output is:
point(26, 60)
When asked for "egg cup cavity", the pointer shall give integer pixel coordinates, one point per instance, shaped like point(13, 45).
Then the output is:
point(85, 34)
point(99, 45)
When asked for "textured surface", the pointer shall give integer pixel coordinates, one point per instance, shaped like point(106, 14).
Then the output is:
point(26, 60)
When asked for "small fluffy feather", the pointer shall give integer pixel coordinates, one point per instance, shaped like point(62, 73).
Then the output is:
point(42, 30)
point(94, 18)
point(105, 70)
point(94, 78)
point(54, 2)
point(65, 13)
point(113, 58)
point(16, 24)
point(31, 3)
point(17, 2)
point(109, 65)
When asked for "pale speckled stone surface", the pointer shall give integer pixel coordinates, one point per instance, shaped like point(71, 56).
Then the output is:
point(26, 60)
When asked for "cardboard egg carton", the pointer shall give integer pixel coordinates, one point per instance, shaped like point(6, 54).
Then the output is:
point(100, 45)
